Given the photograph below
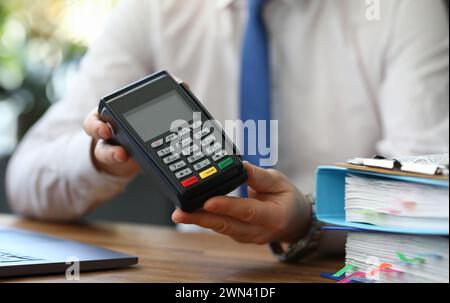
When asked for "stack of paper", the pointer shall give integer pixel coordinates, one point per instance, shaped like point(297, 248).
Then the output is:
point(390, 258)
point(391, 203)
point(396, 212)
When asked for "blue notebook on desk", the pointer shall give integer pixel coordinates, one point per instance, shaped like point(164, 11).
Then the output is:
point(330, 196)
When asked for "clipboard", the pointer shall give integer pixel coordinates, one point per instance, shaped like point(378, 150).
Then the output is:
point(382, 165)
point(395, 172)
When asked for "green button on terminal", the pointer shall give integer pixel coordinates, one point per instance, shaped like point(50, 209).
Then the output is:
point(225, 163)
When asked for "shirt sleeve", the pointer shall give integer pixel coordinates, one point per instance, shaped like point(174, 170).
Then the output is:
point(51, 175)
point(414, 95)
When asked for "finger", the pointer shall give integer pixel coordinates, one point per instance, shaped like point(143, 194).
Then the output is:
point(265, 180)
point(239, 231)
point(96, 128)
point(110, 154)
point(250, 211)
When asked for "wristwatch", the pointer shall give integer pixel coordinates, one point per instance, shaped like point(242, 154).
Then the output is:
point(304, 247)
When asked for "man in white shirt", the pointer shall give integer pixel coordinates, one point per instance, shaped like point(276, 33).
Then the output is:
point(349, 78)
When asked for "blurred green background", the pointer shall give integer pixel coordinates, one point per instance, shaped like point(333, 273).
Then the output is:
point(41, 45)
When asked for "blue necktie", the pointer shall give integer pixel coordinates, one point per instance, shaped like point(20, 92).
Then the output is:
point(255, 83)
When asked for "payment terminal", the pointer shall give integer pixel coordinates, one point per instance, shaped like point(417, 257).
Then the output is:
point(170, 134)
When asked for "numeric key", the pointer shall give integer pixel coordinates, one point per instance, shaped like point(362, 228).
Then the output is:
point(202, 165)
point(165, 151)
point(171, 159)
point(177, 166)
point(196, 157)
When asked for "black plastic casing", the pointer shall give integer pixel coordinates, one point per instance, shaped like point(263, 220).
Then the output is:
point(111, 110)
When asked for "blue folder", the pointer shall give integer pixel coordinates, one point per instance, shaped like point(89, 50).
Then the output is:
point(330, 195)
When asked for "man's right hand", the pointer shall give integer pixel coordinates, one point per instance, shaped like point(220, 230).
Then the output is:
point(107, 158)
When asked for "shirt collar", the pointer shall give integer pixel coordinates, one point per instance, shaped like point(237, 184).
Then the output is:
point(222, 4)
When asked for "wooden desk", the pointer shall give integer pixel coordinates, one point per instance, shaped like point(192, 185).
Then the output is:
point(169, 256)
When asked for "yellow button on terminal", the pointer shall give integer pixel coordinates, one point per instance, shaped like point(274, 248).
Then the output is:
point(208, 173)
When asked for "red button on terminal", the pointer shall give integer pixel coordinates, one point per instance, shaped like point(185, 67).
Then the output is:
point(189, 182)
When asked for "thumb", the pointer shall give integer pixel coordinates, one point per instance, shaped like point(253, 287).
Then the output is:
point(265, 180)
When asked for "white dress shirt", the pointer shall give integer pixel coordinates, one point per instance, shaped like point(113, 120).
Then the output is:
point(343, 86)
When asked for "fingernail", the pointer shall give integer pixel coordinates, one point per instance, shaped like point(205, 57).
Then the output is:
point(175, 220)
point(211, 207)
point(101, 133)
point(117, 158)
